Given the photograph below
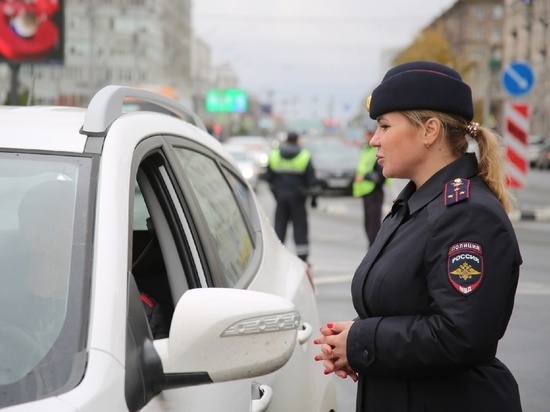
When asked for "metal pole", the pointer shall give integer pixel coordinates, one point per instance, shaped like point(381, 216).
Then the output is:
point(14, 90)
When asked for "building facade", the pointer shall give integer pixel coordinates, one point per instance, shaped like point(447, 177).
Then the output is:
point(527, 39)
point(486, 36)
point(124, 42)
point(474, 31)
point(201, 73)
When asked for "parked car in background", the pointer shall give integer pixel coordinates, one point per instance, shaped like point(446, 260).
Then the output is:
point(258, 146)
point(543, 159)
point(114, 224)
point(535, 145)
point(248, 163)
point(335, 162)
point(354, 136)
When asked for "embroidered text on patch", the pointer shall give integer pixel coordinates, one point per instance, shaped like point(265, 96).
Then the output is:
point(465, 266)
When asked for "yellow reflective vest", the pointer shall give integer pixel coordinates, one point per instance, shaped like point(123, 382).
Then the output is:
point(365, 165)
point(298, 164)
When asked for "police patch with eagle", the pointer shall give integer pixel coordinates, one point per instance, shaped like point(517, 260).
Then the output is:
point(465, 266)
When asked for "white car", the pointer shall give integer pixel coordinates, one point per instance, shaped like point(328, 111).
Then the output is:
point(258, 146)
point(247, 163)
point(110, 218)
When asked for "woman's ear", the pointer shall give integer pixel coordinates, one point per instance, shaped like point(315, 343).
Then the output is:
point(432, 129)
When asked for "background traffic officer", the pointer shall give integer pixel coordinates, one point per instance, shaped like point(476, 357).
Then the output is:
point(291, 177)
point(369, 184)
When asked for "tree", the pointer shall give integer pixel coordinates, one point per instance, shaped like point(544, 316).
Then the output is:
point(432, 44)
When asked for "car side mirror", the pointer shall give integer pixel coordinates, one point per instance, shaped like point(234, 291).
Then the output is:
point(222, 334)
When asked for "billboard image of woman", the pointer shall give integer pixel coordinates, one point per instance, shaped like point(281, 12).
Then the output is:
point(31, 31)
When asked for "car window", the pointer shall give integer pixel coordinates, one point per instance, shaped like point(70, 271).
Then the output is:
point(141, 214)
point(222, 212)
point(242, 194)
point(43, 232)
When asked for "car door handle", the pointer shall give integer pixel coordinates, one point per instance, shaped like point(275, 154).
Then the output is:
point(305, 333)
point(266, 395)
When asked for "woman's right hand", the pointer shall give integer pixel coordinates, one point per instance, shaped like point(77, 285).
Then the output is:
point(333, 349)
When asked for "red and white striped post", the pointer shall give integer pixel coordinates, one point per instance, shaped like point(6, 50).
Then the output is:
point(516, 132)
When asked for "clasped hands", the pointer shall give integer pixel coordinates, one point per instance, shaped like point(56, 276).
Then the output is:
point(333, 349)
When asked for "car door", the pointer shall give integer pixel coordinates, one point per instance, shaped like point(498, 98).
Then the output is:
point(245, 259)
point(172, 252)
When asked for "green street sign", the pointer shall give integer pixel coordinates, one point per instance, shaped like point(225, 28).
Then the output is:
point(226, 101)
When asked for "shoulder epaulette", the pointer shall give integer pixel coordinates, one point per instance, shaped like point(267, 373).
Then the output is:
point(456, 191)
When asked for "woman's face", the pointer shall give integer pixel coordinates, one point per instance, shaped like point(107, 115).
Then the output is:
point(401, 151)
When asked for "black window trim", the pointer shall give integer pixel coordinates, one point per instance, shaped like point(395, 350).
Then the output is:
point(252, 222)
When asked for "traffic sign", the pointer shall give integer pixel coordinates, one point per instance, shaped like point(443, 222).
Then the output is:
point(518, 78)
point(226, 101)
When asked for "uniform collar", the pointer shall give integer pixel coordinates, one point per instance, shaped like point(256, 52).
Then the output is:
point(464, 167)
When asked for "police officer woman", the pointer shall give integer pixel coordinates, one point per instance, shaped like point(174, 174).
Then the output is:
point(435, 292)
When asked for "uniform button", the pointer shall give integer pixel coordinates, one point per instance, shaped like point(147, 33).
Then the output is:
point(366, 353)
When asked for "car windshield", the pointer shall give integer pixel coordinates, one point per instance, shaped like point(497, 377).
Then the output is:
point(44, 201)
point(333, 153)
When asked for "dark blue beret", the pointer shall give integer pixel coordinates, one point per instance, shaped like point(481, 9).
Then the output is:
point(422, 85)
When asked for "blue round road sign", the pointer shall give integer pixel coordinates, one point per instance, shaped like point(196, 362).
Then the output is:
point(518, 78)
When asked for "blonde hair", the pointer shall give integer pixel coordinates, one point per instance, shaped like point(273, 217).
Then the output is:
point(492, 166)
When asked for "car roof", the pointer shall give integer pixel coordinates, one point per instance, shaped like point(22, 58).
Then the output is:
point(68, 129)
point(51, 128)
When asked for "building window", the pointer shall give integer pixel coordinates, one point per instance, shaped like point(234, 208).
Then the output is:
point(479, 75)
point(480, 12)
point(496, 36)
point(498, 12)
point(479, 33)
point(479, 53)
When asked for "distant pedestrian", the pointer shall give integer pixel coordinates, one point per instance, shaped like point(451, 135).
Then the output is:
point(435, 291)
point(369, 185)
point(291, 177)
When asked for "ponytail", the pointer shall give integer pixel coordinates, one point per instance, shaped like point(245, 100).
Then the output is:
point(490, 154)
point(492, 165)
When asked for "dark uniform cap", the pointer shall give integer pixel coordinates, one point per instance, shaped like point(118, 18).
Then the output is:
point(422, 85)
point(292, 137)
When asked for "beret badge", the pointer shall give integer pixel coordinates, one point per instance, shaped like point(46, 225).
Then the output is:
point(367, 104)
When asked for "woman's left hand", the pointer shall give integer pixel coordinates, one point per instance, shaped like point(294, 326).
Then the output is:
point(333, 349)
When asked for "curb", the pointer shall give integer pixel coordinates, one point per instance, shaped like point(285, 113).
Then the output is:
point(540, 215)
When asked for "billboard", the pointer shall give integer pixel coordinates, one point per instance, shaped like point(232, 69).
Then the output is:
point(31, 31)
point(226, 101)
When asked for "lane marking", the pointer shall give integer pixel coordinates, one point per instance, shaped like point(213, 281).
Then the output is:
point(533, 288)
point(332, 279)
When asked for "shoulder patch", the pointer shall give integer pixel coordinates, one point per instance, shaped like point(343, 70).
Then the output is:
point(457, 190)
point(465, 266)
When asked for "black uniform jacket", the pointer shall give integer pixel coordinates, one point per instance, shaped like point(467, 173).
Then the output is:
point(434, 295)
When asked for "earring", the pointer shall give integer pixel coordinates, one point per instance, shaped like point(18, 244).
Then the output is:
point(427, 145)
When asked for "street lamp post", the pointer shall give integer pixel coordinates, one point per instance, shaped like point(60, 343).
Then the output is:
point(14, 82)
point(493, 66)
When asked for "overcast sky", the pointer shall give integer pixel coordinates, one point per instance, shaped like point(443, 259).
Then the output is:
point(314, 57)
